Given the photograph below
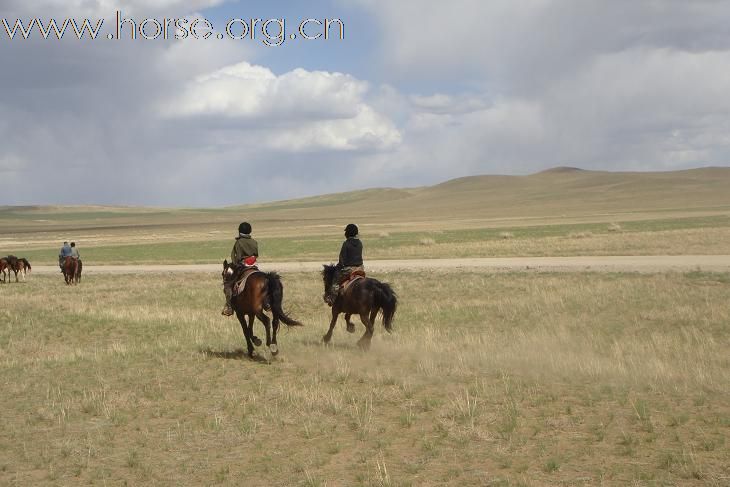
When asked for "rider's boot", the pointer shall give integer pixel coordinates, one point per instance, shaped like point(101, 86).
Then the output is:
point(228, 291)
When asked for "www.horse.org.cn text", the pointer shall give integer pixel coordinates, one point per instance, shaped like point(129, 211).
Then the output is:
point(270, 32)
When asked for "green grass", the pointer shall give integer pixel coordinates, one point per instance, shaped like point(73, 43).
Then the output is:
point(489, 379)
point(484, 242)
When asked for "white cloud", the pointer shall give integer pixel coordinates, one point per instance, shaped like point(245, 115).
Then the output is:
point(455, 88)
point(297, 111)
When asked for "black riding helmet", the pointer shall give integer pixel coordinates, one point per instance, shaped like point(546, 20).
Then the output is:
point(244, 228)
point(351, 230)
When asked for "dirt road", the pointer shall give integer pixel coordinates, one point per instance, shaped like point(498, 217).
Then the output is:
point(647, 263)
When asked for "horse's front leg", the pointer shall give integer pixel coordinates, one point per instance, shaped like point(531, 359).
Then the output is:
point(335, 313)
point(364, 341)
point(350, 324)
point(246, 333)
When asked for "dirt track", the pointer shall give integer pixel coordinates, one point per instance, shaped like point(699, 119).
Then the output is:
point(648, 263)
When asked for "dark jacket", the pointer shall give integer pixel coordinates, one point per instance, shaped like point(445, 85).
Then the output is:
point(244, 247)
point(351, 253)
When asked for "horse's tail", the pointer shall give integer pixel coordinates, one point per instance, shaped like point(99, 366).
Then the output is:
point(27, 264)
point(276, 296)
point(385, 298)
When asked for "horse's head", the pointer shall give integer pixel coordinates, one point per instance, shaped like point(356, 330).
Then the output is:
point(229, 270)
point(329, 272)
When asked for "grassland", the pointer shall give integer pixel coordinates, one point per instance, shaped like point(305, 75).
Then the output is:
point(677, 236)
point(555, 213)
point(489, 379)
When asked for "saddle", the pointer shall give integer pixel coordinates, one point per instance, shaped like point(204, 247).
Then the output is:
point(240, 284)
point(351, 278)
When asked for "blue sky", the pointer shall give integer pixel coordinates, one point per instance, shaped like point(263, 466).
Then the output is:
point(419, 91)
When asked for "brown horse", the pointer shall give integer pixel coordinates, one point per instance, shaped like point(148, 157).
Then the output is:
point(262, 291)
point(72, 270)
point(22, 267)
point(4, 268)
point(365, 297)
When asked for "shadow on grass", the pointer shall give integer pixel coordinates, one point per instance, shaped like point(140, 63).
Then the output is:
point(238, 354)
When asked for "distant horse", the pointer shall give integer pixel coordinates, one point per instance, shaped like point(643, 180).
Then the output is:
point(10, 264)
point(365, 297)
point(4, 268)
point(72, 270)
point(22, 267)
point(262, 291)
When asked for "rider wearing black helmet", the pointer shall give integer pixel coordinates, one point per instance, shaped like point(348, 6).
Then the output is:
point(244, 252)
point(350, 260)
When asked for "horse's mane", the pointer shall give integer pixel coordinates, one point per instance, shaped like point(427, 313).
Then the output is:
point(329, 272)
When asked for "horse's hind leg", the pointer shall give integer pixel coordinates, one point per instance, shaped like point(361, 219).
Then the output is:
point(274, 328)
point(328, 336)
point(373, 316)
point(364, 341)
point(256, 341)
point(350, 324)
point(267, 325)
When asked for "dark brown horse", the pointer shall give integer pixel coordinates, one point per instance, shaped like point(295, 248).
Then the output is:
point(10, 264)
point(263, 291)
point(365, 297)
point(72, 270)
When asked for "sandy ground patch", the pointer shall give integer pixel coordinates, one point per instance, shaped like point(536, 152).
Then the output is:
point(645, 263)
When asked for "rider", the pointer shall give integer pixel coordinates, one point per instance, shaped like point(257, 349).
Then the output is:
point(74, 251)
point(63, 253)
point(350, 260)
point(244, 252)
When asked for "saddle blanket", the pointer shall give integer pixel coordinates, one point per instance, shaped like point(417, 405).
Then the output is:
point(353, 277)
point(240, 285)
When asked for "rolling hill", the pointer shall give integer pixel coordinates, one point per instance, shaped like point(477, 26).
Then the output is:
point(556, 195)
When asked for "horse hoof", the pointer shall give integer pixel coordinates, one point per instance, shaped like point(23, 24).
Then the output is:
point(256, 341)
point(274, 349)
point(326, 339)
point(351, 327)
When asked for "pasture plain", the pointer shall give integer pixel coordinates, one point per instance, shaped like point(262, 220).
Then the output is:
point(488, 379)
point(558, 212)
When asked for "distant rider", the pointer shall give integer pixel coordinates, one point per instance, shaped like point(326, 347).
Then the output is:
point(244, 252)
point(350, 260)
point(63, 253)
point(74, 251)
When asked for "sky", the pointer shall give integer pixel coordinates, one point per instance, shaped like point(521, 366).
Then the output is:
point(417, 92)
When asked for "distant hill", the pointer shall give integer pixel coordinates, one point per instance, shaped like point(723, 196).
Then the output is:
point(560, 193)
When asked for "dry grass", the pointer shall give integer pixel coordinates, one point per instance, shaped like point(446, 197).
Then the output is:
point(614, 227)
point(504, 379)
point(701, 241)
